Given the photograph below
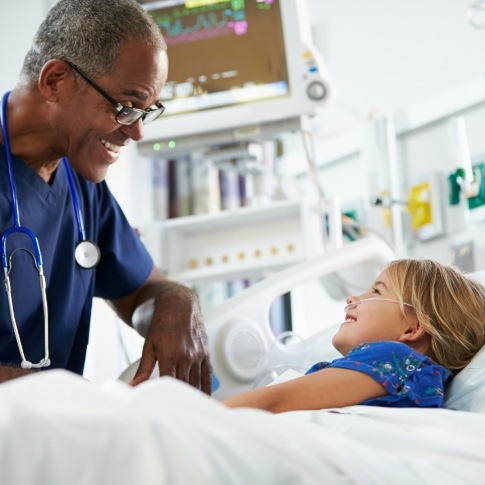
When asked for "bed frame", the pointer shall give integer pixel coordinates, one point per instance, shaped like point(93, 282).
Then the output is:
point(239, 331)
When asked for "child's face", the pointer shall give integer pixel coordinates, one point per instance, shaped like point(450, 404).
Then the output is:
point(372, 320)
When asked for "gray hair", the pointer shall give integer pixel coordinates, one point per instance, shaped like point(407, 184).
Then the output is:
point(89, 34)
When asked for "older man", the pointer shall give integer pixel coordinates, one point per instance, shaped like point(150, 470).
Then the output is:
point(89, 83)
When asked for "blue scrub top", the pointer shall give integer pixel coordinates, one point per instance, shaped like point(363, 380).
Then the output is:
point(47, 210)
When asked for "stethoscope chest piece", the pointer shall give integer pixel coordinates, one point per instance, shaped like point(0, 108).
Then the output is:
point(87, 254)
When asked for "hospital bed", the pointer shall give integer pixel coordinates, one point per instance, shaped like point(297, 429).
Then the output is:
point(57, 428)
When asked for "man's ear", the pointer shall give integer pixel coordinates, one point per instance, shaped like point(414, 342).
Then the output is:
point(53, 77)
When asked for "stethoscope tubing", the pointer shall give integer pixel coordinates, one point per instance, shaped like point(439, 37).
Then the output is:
point(11, 177)
point(75, 201)
point(16, 228)
point(87, 253)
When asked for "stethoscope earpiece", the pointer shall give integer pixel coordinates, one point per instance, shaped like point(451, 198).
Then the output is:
point(26, 364)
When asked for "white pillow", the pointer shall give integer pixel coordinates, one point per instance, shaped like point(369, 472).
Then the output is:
point(466, 392)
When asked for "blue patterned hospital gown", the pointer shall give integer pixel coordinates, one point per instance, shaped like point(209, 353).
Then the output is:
point(410, 378)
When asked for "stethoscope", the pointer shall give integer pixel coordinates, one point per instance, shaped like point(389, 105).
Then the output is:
point(87, 253)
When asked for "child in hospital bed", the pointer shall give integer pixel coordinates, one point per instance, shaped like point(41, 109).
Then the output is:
point(402, 340)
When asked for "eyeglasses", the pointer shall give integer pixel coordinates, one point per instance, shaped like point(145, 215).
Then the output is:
point(358, 302)
point(126, 114)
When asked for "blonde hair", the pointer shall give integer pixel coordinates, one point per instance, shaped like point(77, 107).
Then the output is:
point(449, 306)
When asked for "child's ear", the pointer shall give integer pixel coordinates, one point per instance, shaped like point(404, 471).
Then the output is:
point(413, 332)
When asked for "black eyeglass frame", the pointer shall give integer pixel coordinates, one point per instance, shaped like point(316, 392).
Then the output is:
point(127, 110)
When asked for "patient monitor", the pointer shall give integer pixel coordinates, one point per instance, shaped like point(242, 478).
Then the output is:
point(238, 71)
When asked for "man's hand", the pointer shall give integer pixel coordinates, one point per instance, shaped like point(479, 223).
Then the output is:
point(176, 339)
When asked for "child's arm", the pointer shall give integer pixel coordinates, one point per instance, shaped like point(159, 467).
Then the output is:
point(327, 388)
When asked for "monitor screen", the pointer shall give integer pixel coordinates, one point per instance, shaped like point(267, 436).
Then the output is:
point(232, 64)
point(234, 53)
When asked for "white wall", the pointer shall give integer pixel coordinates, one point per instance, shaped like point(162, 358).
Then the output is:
point(416, 59)
point(387, 54)
point(20, 19)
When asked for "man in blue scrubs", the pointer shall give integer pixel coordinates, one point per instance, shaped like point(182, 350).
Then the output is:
point(89, 83)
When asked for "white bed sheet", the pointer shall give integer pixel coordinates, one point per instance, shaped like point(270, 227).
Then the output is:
point(56, 428)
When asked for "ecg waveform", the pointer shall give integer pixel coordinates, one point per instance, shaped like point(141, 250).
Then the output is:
point(186, 26)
